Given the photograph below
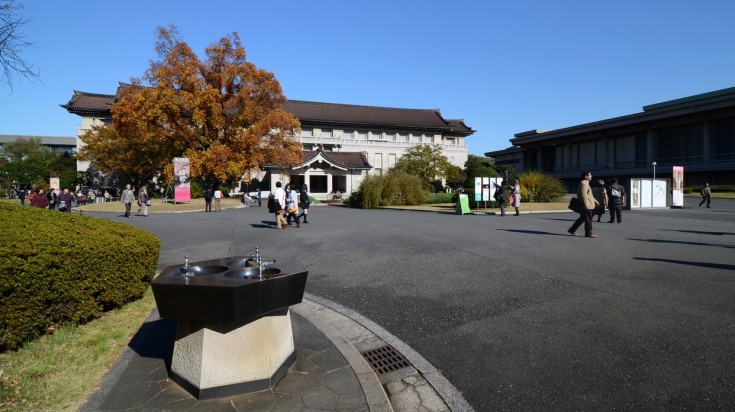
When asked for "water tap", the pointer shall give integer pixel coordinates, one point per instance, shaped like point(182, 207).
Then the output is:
point(258, 262)
point(185, 269)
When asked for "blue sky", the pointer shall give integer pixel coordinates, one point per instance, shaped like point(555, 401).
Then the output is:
point(504, 67)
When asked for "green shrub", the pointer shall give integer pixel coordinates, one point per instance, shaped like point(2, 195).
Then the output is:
point(196, 189)
point(61, 267)
point(442, 197)
point(538, 187)
point(393, 189)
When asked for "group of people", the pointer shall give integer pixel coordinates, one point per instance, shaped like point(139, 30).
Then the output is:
point(595, 201)
point(510, 194)
point(215, 194)
point(128, 197)
point(285, 205)
point(60, 200)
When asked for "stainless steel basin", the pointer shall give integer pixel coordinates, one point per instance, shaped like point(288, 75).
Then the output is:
point(251, 272)
point(205, 270)
point(248, 262)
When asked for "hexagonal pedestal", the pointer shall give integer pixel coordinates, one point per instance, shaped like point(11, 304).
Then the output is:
point(215, 360)
point(234, 331)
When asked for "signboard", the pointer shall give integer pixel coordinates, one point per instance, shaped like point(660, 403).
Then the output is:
point(478, 189)
point(485, 189)
point(463, 204)
point(182, 180)
point(54, 183)
point(677, 194)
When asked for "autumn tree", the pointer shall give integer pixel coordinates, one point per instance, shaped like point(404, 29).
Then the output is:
point(426, 162)
point(223, 113)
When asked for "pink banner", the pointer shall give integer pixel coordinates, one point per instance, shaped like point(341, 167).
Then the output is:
point(182, 178)
point(677, 186)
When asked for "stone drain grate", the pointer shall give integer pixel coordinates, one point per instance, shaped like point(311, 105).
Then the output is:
point(385, 359)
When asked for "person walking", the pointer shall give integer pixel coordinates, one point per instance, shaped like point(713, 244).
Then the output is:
point(51, 198)
point(706, 195)
point(280, 197)
point(260, 198)
point(584, 194)
point(208, 194)
point(63, 201)
point(21, 196)
point(292, 209)
point(38, 199)
point(217, 198)
point(516, 197)
point(617, 201)
point(600, 194)
point(143, 201)
point(304, 202)
point(127, 199)
point(500, 197)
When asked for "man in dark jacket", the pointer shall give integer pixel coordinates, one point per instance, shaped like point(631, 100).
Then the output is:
point(617, 201)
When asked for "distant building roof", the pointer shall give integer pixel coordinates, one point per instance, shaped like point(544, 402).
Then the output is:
point(312, 113)
point(60, 142)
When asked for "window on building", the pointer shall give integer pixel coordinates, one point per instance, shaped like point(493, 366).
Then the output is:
point(339, 183)
point(326, 133)
point(376, 135)
point(679, 144)
point(402, 137)
point(391, 160)
point(378, 163)
point(307, 132)
point(361, 136)
point(722, 139)
point(416, 138)
point(391, 137)
point(318, 184)
point(348, 134)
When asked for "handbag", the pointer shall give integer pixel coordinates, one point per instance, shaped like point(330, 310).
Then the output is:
point(292, 209)
point(148, 202)
point(575, 205)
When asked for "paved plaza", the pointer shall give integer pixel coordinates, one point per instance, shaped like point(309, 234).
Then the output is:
point(513, 311)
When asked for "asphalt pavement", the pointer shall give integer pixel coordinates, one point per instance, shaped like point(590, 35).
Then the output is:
point(512, 311)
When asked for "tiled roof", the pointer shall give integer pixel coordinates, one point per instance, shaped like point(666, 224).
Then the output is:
point(316, 113)
point(346, 114)
point(89, 103)
point(349, 160)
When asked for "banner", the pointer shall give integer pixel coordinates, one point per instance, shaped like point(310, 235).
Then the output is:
point(182, 179)
point(677, 194)
point(485, 189)
point(478, 189)
point(463, 204)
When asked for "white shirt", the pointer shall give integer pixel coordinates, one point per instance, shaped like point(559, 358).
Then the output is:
point(218, 194)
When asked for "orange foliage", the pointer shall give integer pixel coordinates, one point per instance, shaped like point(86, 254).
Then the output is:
point(223, 113)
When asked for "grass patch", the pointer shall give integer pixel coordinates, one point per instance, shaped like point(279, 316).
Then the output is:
point(60, 371)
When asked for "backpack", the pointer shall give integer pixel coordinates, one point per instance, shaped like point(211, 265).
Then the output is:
point(704, 193)
point(615, 192)
point(498, 195)
point(273, 205)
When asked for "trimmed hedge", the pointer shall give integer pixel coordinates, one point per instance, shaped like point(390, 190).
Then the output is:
point(60, 267)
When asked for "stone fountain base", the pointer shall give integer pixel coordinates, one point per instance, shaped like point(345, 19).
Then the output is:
point(234, 331)
point(218, 360)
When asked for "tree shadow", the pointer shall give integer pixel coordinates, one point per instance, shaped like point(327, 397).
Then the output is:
point(535, 232)
point(576, 215)
point(681, 242)
point(691, 263)
point(700, 232)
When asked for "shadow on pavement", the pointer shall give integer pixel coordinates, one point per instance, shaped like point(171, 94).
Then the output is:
point(690, 263)
point(679, 242)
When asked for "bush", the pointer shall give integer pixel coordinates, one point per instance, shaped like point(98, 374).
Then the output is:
point(196, 189)
point(443, 198)
point(538, 187)
point(393, 189)
point(61, 267)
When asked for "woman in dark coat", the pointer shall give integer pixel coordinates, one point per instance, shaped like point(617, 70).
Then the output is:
point(617, 201)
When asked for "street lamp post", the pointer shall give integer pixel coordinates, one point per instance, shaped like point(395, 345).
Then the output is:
point(654, 169)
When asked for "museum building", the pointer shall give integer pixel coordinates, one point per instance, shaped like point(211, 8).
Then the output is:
point(341, 143)
point(696, 132)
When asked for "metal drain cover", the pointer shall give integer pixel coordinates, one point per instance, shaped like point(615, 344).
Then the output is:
point(385, 359)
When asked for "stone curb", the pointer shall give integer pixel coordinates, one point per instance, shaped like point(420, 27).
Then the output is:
point(448, 393)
